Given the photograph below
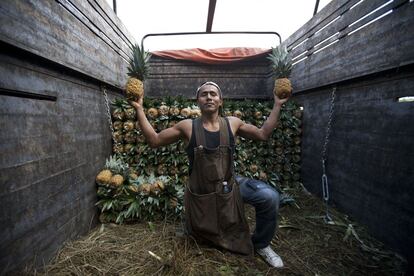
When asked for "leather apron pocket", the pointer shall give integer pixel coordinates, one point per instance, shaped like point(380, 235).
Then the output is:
point(203, 213)
point(228, 211)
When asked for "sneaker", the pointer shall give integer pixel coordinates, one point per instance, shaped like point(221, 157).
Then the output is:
point(270, 256)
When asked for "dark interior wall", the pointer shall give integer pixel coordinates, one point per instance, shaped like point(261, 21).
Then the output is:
point(247, 79)
point(55, 137)
point(371, 150)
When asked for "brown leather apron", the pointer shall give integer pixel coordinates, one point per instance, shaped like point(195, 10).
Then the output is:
point(211, 214)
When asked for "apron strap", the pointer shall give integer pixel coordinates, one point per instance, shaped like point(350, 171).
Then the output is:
point(199, 132)
point(224, 132)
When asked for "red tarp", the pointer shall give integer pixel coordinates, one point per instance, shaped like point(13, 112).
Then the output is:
point(214, 56)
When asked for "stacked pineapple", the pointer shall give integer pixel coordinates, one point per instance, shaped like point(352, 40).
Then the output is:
point(281, 67)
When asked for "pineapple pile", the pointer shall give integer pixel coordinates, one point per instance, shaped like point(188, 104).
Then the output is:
point(154, 179)
point(281, 67)
point(138, 70)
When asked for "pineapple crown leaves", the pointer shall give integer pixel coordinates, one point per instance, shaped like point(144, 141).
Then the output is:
point(281, 62)
point(116, 165)
point(119, 103)
point(138, 63)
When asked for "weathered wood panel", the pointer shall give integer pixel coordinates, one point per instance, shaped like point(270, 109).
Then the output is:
point(384, 44)
point(370, 151)
point(74, 36)
point(247, 79)
point(51, 151)
point(344, 22)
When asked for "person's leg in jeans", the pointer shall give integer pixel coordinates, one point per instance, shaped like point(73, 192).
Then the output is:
point(265, 200)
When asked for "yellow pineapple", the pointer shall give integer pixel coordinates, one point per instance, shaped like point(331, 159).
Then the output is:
point(185, 112)
point(159, 184)
point(152, 113)
point(116, 180)
point(282, 67)
point(163, 109)
point(137, 71)
point(196, 113)
point(258, 115)
point(174, 111)
point(104, 177)
point(238, 114)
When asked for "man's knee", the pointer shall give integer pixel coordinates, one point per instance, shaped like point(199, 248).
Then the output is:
point(270, 197)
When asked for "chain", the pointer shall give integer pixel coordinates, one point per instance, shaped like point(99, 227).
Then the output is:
point(328, 128)
point(108, 111)
point(325, 186)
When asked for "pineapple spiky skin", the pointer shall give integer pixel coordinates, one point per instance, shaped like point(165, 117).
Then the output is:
point(185, 112)
point(283, 88)
point(104, 177)
point(138, 70)
point(116, 180)
point(134, 89)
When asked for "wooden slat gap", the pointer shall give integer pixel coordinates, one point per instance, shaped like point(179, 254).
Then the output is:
point(26, 94)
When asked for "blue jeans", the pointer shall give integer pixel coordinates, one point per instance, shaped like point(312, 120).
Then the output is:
point(265, 200)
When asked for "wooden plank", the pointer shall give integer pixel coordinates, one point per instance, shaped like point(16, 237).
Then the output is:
point(98, 25)
point(384, 44)
point(48, 192)
point(102, 7)
point(332, 10)
point(47, 29)
point(343, 22)
point(247, 79)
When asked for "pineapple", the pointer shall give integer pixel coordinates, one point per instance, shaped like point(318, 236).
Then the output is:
point(118, 113)
point(117, 125)
point(282, 67)
point(238, 114)
point(174, 111)
point(159, 184)
point(152, 113)
point(163, 109)
point(130, 113)
point(137, 71)
point(258, 115)
point(130, 137)
point(185, 112)
point(118, 148)
point(129, 125)
point(116, 165)
point(195, 113)
point(104, 177)
point(116, 180)
point(118, 136)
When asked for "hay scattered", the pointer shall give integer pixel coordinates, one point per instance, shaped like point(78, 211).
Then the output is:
point(306, 243)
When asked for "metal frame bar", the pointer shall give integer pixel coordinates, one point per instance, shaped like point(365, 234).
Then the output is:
point(208, 33)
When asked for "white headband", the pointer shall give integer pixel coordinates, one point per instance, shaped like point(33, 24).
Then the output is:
point(209, 83)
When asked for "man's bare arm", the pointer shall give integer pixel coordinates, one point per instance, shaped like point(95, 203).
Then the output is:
point(262, 134)
point(166, 136)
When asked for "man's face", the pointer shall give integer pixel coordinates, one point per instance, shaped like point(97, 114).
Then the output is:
point(209, 98)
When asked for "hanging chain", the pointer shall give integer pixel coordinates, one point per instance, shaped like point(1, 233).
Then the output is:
point(108, 112)
point(325, 186)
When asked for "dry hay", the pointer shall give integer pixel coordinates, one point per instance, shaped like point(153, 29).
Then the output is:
point(306, 243)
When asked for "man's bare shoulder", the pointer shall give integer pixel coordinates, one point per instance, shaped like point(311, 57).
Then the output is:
point(185, 127)
point(235, 124)
point(186, 123)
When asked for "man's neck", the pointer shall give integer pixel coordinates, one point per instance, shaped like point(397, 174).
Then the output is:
point(210, 121)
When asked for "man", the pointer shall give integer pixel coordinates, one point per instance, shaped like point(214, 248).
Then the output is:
point(264, 198)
